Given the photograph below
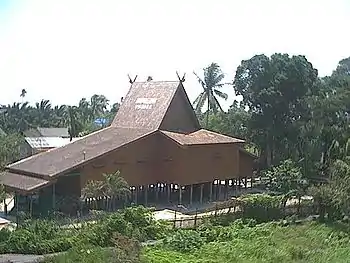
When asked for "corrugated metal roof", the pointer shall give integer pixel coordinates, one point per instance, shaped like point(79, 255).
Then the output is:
point(53, 132)
point(48, 142)
point(62, 159)
point(21, 182)
point(201, 137)
point(146, 104)
point(47, 132)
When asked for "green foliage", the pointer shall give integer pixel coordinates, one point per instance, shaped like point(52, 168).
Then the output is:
point(43, 237)
point(9, 148)
point(211, 85)
point(270, 242)
point(184, 241)
point(285, 177)
point(262, 207)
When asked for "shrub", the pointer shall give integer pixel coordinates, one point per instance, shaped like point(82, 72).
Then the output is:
point(184, 240)
point(262, 207)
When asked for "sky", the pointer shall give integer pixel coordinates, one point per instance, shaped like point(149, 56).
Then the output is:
point(63, 50)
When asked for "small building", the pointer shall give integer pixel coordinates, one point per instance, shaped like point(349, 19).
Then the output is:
point(157, 144)
point(41, 139)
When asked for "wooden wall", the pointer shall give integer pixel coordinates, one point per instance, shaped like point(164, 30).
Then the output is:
point(157, 158)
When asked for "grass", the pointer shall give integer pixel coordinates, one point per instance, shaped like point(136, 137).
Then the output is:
point(310, 242)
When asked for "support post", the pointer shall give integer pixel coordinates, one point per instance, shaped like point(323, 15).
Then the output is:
point(246, 183)
point(211, 191)
point(157, 191)
point(227, 189)
point(191, 193)
point(136, 192)
point(219, 189)
point(31, 207)
point(53, 197)
point(180, 195)
point(201, 194)
point(169, 192)
point(146, 195)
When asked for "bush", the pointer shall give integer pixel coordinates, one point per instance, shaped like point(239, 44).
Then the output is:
point(262, 207)
point(184, 241)
point(45, 236)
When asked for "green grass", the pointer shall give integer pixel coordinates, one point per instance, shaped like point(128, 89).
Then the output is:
point(310, 242)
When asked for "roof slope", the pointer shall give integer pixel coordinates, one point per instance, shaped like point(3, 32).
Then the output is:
point(146, 104)
point(21, 182)
point(59, 160)
point(201, 137)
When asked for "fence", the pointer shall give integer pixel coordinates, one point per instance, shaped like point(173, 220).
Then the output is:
point(232, 210)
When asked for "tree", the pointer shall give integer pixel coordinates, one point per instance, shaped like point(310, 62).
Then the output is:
point(287, 179)
point(93, 190)
point(343, 67)
point(211, 84)
point(276, 90)
point(23, 93)
point(9, 149)
point(115, 186)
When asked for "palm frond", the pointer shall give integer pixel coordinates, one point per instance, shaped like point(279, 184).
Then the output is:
point(200, 81)
point(200, 101)
point(221, 94)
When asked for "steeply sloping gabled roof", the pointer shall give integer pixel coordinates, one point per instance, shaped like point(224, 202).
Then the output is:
point(200, 137)
point(70, 156)
point(146, 104)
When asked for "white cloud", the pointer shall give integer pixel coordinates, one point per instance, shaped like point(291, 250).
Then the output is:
point(64, 50)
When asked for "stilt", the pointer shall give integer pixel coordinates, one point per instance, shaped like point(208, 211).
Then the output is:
point(246, 183)
point(169, 192)
point(226, 189)
point(191, 193)
point(180, 195)
point(146, 195)
point(211, 191)
point(53, 197)
point(157, 191)
point(219, 189)
point(31, 207)
point(201, 194)
point(136, 193)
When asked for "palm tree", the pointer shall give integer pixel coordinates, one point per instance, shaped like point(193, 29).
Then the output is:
point(115, 186)
point(93, 189)
point(74, 124)
point(213, 77)
point(23, 93)
point(43, 113)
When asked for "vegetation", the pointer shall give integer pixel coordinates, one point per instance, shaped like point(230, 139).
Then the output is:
point(113, 186)
point(269, 242)
point(211, 83)
point(295, 121)
point(47, 236)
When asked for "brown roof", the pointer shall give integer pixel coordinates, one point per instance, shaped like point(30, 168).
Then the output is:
point(70, 156)
point(21, 182)
point(201, 137)
point(146, 104)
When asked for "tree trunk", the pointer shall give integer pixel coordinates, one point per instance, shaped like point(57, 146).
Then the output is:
point(207, 121)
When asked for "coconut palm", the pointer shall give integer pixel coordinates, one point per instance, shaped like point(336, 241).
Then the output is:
point(93, 189)
point(212, 82)
point(23, 93)
point(115, 186)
